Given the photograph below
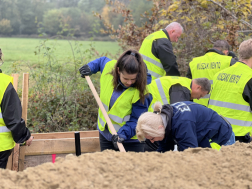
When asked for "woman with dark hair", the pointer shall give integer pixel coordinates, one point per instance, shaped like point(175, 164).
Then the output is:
point(124, 94)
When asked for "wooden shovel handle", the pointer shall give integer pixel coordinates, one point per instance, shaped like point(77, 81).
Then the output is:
point(98, 100)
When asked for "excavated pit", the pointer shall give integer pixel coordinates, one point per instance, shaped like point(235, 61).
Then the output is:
point(191, 169)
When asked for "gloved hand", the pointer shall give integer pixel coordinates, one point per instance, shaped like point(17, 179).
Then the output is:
point(115, 139)
point(85, 70)
point(247, 138)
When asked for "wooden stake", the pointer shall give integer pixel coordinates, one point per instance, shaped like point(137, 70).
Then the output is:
point(98, 100)
point(21, 157)
point(25, 96)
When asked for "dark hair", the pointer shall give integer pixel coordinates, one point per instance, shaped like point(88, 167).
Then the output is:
point(132, 62)
point(204, 83)
point(221, 45)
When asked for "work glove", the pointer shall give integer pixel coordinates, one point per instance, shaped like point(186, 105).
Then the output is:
point(247, 138)
point(85, 70)
point(115, 139)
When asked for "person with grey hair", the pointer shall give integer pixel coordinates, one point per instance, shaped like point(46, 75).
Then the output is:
point(231, 95)
point(215, 60)
point(172, 89)
point(157, 51)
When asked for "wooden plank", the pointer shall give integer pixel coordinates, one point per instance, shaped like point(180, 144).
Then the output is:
point(15, 158)
point(21, 159)
point(62, 146)
point(10, 162)
point(33, 161)
point(15, 81)
point(65, 134)
point(25, 96)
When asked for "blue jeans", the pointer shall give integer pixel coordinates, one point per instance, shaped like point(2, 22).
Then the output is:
point(231, 140)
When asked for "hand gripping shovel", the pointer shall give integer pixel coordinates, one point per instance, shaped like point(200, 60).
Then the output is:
point(98, 100)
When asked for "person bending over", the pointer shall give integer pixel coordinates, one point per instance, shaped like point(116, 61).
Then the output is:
point(187, 124)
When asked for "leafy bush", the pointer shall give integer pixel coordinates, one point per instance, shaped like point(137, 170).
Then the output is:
point(204, 21)
point(59, 99)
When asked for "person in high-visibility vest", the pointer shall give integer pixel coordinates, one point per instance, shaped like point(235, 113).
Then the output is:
point(12, 126)
point(187, 124)
point(124, 94)
point(172, 89)
point(157, 51)
point(231, 95)
point(215, 60)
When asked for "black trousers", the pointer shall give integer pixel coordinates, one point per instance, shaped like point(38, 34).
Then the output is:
point(4, 155)
point(108, 145)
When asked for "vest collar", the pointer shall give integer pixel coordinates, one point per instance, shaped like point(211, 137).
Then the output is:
point(164, 30)
point(123, 86)
point(216, 51)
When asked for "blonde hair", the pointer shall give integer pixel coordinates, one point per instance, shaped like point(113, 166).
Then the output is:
point(245, 50)
point(148, 124)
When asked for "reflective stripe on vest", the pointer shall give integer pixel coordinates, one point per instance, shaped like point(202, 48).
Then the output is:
point(239, 122)
point(161, 91)
point(227, 97)
point(159, 88)
point(154, 65)
point(230, 105)
point(116, 126)
point(154, 62)
point(4, 129)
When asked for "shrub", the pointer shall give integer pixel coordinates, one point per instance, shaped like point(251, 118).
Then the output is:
point(59, 99)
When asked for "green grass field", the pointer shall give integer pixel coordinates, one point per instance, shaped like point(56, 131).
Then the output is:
point(20, 51)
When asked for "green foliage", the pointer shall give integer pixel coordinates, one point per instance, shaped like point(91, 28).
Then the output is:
point(59, 99)
point(204, 22)
point(51, 21)
point(5, 27)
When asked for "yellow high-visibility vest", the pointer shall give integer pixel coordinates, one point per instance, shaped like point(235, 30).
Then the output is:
point(226, 97)
point(154, 65)
point(120, 112)
point(6, 139)
point(159, 88)
point(207, 66)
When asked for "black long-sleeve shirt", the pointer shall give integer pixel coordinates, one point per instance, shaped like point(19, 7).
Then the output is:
point(162, 49)
point(12, 112)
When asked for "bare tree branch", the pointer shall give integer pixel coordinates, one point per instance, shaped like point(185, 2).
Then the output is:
point(241, 20)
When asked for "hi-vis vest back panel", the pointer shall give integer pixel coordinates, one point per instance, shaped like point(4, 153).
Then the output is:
point(155, 67)
point(207, 66)
point(120, 112)
point(226, 97)
point(6, 140)
point(159, 88)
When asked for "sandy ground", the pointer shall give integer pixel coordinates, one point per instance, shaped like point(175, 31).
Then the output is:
point(194, 168)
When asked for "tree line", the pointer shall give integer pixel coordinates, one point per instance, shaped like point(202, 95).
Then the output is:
point(61, 17)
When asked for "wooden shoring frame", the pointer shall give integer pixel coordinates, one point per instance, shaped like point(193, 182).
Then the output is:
point(48, 143)
point(59, 143)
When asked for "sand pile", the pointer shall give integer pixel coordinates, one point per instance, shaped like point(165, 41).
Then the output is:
point(193, 168)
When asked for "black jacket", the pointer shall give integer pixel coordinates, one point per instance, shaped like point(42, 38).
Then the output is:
point(162, 49)
point(12, 112)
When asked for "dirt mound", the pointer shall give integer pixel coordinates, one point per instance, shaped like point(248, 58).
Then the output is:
point(193, 168)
